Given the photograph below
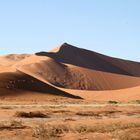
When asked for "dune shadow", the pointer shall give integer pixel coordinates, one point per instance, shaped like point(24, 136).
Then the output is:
point(87, 59)
point(23, 82)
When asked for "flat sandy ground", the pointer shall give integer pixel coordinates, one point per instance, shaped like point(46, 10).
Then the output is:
point(73, 121)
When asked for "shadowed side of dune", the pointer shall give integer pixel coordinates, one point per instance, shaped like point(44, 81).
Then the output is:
point(84, 58)
point(10, 82)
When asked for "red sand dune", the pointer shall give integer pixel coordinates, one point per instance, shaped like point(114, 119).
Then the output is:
point(72, 72)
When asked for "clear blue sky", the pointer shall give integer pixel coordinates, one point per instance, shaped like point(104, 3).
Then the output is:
point(111, 27)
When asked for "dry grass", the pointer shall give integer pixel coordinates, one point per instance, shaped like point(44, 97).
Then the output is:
point(117, 130)
point(102, 128)
point(99, 114)
point(11, 125)
point(44, 132)
point(78, 123)
point(89, 114)
point(129, 134)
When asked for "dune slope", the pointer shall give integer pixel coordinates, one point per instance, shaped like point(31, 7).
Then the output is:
point(74, 77)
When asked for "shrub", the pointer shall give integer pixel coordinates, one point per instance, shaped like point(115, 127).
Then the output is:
point(112, 102)
point(36, 114)
point(138, 101)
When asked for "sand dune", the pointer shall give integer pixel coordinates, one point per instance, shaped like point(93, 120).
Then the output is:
point(71, 72)
point(11, 59)
point(84, 58)
point(74, 77)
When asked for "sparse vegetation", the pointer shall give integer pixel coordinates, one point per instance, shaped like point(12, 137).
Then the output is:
point(112, 102)
point(13, 124)
point(36, 114)
point(138, 101)
point(69, 119)
point(40, 132)
point(43, 131)
point(101, 128)
point(78, 123)
point(100, 114)
point(90, 114)
point(58, 130)
point(130, 134)
point(5, 107)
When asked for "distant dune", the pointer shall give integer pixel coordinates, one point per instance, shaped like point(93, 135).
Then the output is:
point(72, 72)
